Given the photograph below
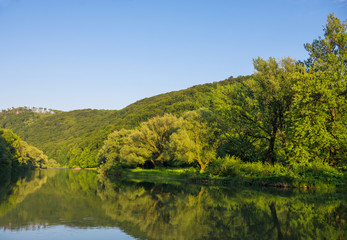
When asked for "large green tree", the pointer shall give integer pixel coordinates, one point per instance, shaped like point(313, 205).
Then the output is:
point(318, 114)
point(256, 108)
point(109, 154)
point(197, 140)
point(147, 144)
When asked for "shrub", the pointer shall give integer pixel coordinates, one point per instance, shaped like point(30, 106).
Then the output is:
point(227, 166)
point(317, 171)
point(233, 166)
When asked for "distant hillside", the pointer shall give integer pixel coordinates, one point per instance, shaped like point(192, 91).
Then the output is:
point(77, 135)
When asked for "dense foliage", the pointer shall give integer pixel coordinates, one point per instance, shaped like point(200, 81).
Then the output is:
point(15, 154)
point(318, 114)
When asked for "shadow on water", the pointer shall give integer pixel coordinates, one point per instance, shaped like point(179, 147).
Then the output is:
point(145, 210)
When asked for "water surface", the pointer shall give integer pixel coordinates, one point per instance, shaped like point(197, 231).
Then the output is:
point(69, 204)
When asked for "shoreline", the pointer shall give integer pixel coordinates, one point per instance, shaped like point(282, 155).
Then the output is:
point(187, 176)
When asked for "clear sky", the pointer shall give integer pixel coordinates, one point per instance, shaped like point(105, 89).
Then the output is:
point(106, 54)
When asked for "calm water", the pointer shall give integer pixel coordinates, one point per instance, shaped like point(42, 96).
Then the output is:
point(70, 204)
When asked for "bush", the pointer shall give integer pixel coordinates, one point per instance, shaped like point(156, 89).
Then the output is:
point(227, 166)
point(314, 174)
point(189, 172)
point(317, 171)
point(233, 166)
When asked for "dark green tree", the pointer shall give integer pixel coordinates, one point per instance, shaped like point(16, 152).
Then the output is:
point(256, 107)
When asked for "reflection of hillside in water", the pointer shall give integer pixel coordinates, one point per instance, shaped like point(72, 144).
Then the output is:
point(161, 211)
point(82, 199)
point(67, 198)
point(24, 184)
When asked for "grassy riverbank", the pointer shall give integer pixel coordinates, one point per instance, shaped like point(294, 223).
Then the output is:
point(252, 174)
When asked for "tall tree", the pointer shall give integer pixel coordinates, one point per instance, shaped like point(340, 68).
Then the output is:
point(318, 113)
point(257, 106)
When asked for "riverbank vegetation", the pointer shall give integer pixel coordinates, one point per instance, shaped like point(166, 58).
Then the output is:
point(236, 172)
point(286, 124)
point(16, 154)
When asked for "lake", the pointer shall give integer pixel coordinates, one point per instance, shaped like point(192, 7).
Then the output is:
point(70, 204)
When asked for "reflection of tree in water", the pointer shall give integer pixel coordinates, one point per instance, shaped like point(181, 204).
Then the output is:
point(67, 197)
point(276, 222)
point(15, 191)
point(162, 211)
point(168, 211)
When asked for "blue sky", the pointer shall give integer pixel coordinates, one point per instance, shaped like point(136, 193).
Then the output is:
point(107, 54)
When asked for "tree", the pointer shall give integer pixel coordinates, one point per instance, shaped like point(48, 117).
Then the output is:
point(15, 153)
point(6, 157)
point(109, 154)
point(32, 156)
point(318, 113)
point(257, 106)
point(147, 145)
point(11, 143)
point(197, 140)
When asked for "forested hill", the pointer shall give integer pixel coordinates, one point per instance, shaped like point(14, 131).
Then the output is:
point(74, 137)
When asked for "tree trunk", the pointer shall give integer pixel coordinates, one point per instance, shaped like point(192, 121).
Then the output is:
point(202, 168)
point(276, 221)
point(270, 155)
point(202, 189)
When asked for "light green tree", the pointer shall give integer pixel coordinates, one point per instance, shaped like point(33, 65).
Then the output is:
point(32, 156)
point(148, 144)
point(108, 155)
point(197, 140)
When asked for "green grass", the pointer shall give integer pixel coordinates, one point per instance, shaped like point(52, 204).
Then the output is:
point(158, 175)
point(315, 175)
point(254, 174)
